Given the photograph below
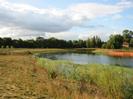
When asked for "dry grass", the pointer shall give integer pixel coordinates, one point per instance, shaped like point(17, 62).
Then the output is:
point(115, 52)
point(22, 78)
point(120, 54)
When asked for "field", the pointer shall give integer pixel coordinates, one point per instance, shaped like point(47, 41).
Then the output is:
point(23, 76)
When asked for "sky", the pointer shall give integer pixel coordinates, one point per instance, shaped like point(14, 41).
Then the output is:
point(64, 19)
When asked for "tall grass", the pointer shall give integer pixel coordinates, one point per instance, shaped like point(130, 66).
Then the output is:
point(109, 81)
point(21, 77)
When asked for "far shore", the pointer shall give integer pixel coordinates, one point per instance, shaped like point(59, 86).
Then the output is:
point(114, 52)
point(110, 52)
point(120, 54)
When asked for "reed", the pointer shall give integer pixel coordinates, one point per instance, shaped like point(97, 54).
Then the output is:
point(110, 81)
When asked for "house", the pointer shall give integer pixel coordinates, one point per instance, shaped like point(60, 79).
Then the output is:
point(125, 45)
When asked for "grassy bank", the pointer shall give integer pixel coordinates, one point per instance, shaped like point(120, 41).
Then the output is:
point(111, 82)
point(23, 76)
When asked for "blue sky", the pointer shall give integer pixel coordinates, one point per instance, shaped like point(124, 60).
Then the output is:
point(64, 19)
point(61, 3)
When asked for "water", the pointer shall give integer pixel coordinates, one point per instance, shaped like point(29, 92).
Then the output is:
point(84, 58)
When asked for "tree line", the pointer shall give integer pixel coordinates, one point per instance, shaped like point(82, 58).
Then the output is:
point(117, 41)
point(114, 42)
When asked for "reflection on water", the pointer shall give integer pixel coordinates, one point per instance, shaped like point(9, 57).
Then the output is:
point(85, 58)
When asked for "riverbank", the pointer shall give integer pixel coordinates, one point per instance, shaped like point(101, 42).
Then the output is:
point(120, 54)
point(24, 76)
point(95, 79)
point(115, 53)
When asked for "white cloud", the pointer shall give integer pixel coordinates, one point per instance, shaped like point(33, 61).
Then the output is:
point(63, 35)
point(28, 17)
point(22, 18)
point(93, 10)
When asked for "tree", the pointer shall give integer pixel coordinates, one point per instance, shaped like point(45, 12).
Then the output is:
point(75, 44)
point(115, 42)
point(94, 42)
point(1, 42)
point(104, 45)
point(40, 42)
point(88, 43)
point(127, 35)
point(81, 43)
point(70, 44)
point(7, 41)
point(98, 42)
point(131, 42)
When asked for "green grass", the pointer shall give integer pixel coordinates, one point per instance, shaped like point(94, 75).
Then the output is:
point(110, 81)
point(57, 79)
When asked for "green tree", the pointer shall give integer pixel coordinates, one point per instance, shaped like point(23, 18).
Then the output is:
point(88, 43)
point(40, 41)
point(131, 42)
point(93, 42)
point(115, 42)
point(127, 35)
point(104, 45)
point(7, 41)
point(98, 42)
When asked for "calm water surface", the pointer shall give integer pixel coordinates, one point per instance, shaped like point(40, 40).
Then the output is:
point(85, 58)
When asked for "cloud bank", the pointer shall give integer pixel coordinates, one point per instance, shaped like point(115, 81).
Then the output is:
point(22, 18)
